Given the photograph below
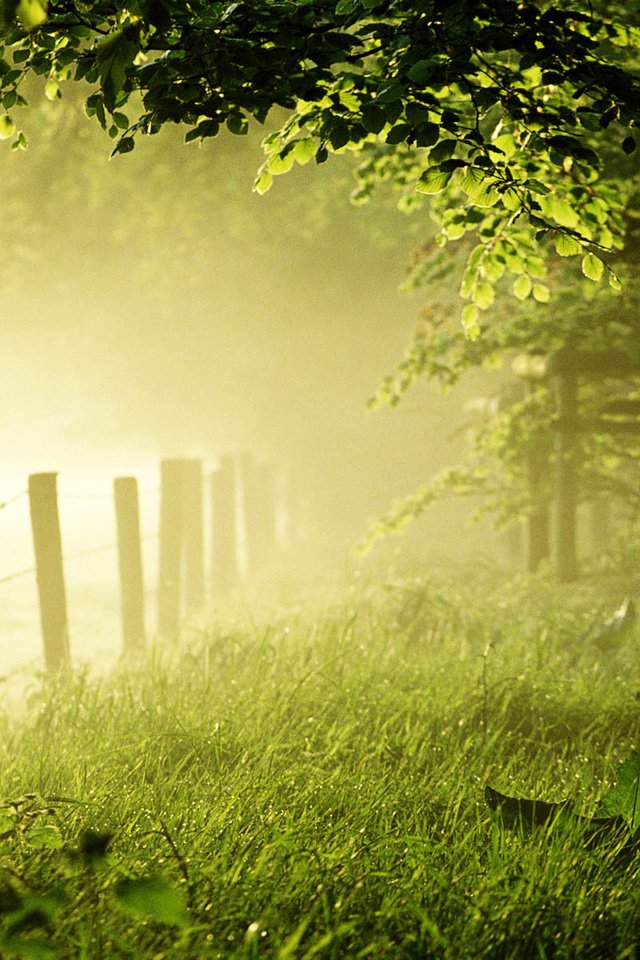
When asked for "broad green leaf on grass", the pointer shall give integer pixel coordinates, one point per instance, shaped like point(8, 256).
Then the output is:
point(154, 898)
point(592, 266)
point(7, 822)
point(624, 797)
point(46, 836)
point(517, 813)
point(28, 948)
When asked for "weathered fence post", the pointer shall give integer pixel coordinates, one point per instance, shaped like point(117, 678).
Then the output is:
point(224, 536)
point(125, 491)
point(193, 535)
point(47, 545)
point(171, 544)
point(567, 482)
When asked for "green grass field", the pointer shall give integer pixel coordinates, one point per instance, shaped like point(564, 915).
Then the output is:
point(311, 785)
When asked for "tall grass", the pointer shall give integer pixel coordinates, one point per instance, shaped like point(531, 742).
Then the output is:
point(303, 786)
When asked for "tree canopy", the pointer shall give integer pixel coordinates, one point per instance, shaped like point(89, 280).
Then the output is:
point(509, 108)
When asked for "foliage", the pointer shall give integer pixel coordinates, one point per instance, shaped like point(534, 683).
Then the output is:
point(516, 421)
point(303, 786)
point(503, 108)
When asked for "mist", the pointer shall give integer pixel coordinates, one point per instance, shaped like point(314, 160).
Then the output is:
point(155, 307)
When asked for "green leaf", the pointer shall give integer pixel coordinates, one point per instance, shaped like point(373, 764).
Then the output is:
point(339, 135)
point(566, 246)
point(154, 898)
point(345, 8)
point(483, 294)
point(442, 151)
point(373, 118)
point(417, 113)
point(7, 126)
point(304, 150)
point(46, 836)
point(238, 124)
point(470, 321)
point(279, 163)
point(390, 91)
point(519, 813)
point(522, 286)
point(614, 282)
point(31, 13)
point(114, 55)
point(399, 133)
point(477, 187)
point(124, 145)
point(433, 180)
point(493, 268)
point(541, 293)
point(52, 90)
point(29, 948)
point(427, 134)
point(263, 181)
point(555, 208)
point(592, 267)
point(421, 71)
point(624, 797)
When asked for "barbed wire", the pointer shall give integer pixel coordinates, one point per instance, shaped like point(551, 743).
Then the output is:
point(76, 495)
point(14, 499)
point(17, 575)
point(70, 557)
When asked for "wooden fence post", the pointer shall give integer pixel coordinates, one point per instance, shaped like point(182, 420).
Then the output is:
point(47, 545)
point(125, 491)
point(224, 535)
point(171, 544)
point(566, 472)
point(193, 535)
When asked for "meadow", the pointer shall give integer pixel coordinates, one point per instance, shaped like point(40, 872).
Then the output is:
point(308, 782)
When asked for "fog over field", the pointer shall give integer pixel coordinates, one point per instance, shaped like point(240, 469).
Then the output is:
point(153, 306)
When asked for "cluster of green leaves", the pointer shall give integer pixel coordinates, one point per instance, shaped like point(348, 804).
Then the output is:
point(507, 103)
point(517, 420)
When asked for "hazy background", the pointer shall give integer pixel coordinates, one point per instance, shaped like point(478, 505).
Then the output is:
point(153, 306)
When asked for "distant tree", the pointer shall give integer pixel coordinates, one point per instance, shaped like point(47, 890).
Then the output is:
point(502, 106)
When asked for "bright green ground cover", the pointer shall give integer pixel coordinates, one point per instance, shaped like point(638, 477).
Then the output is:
point(311, 785)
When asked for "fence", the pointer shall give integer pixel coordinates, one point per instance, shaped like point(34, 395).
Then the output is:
point(232, 509)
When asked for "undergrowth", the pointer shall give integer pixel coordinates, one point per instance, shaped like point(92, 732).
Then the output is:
point(313, 786)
